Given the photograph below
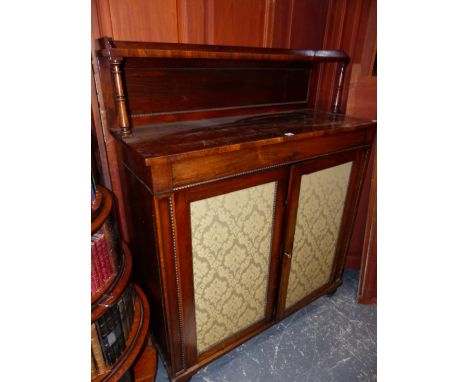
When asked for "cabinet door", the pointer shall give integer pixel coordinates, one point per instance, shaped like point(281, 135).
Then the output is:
point(321, 204)
point(229, 236)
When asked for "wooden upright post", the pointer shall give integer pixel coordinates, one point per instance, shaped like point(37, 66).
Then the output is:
point(119, 94)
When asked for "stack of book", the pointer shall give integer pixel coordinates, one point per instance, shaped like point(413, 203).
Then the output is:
point(105, 261)
point(113, 296)
point(110, 332)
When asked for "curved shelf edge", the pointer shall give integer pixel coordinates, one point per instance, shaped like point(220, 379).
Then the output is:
point(103, 210)
point(96, 206)
point(146, 366)
point(101, 300)
point(135, 342)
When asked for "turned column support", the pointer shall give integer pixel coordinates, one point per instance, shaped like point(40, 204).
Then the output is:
point(119, 95)
point(336, 107)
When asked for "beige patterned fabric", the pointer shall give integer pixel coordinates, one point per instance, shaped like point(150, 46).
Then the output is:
point(320, 209)
point(231, 245)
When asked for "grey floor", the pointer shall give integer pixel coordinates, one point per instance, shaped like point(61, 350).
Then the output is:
point(332, 339)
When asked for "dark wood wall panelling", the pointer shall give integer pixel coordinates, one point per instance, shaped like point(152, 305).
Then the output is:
point(363, 84)
point(265, 23)
point(362, 102)
point(367, 292)
point(300, 24)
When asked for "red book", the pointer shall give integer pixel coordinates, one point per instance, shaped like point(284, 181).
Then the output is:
point(104, 254)
point(94, 279)
point(111, 247)
point(93, 283)
point(97, 262)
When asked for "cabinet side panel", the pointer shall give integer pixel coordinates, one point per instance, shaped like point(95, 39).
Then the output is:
point(145, 254)
point(320, 210)
point(231, 245)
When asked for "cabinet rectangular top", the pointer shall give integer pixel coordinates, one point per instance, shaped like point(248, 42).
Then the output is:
point(208, 136)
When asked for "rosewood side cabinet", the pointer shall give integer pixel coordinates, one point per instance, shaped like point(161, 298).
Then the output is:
point(240, 196)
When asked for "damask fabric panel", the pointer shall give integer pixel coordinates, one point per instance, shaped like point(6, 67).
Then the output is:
point(231, 245)
point(321, 202)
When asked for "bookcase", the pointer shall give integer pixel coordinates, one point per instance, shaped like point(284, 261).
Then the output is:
point(121, 347)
